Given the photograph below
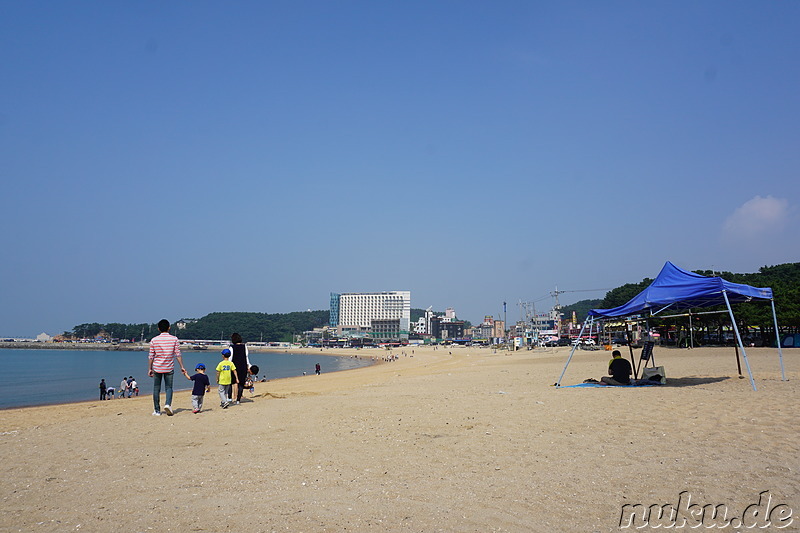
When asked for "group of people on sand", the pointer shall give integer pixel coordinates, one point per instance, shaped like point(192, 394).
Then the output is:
point(233, 370)
point(127, 387)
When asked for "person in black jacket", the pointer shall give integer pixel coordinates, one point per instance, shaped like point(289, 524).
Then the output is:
point(619, 370)
point(241, 358)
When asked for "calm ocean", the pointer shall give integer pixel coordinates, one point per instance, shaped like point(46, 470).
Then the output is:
point(61, 376)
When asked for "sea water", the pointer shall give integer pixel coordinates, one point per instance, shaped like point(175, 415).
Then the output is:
point(60, 376)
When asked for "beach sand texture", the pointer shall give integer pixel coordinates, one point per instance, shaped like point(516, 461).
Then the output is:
point(469, 441)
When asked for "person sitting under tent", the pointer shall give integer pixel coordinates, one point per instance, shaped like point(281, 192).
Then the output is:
point(619, 371)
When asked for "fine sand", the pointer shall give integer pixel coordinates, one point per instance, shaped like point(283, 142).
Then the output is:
point(459, 439)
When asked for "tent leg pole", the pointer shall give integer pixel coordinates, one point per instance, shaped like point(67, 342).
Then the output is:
point(778, 340)
point(558, 383)
point(633, 362)
point(738, 362)
point(739, 339)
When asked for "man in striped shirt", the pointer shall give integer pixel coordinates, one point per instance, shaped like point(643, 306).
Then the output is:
point(164, 349)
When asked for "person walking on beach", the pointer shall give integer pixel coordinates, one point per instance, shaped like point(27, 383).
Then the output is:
point(226, 375)
point(103, 389)
point(317, 369)
point(201, 386)
point(134, 387)
point(164, 349)
point(123, 387)
point(240, 357)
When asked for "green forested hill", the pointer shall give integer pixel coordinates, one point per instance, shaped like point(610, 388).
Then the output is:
point(784, 280)
point(581, 309)
point(253, 327)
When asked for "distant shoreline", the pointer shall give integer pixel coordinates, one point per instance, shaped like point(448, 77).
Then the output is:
point(327, 367)
point(376, 353)
point(35, 345)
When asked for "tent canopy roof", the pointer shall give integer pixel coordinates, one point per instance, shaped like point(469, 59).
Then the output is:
point(676, 288)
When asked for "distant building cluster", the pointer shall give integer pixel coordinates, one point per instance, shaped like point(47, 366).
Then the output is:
point(375, 318)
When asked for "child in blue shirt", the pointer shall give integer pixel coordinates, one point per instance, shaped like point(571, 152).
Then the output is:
point(202, 385)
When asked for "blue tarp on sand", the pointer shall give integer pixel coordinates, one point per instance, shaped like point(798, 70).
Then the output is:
point(633, 385)
point(675, 288)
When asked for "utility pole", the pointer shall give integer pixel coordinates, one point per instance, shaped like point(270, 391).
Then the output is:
point(505, 325)
point(527, 312)
point(555, 294)
point(557, 310)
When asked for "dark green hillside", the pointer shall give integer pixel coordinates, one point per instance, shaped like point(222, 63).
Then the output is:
point(253, 327)
point(581, 309)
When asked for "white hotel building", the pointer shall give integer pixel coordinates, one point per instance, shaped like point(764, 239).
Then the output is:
point(381, 315)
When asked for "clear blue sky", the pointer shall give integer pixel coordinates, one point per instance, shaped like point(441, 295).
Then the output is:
point(172, 159)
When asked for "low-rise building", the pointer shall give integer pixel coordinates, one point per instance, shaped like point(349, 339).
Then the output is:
point(444, 329)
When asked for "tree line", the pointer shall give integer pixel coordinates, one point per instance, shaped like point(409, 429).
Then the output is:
point(253, 327)
point(784, 280)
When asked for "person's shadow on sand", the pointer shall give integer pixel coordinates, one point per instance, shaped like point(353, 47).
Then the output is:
point(691, 382)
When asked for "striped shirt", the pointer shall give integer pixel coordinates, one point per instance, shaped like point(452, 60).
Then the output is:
point(163, 351)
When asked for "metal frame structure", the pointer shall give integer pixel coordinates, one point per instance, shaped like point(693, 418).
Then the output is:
point(591, 319)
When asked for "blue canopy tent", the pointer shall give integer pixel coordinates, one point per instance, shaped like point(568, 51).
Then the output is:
point(675, 288)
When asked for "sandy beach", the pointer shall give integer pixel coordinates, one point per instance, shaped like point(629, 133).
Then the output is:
point(458, 439)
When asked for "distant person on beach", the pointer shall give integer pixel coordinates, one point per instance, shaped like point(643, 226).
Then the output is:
point(619, 370)
point(123, 387)
point(103, 389)
point(201, 386)
point(240, 357)
point(318, 369)
point(110, 393)
point(226, 376)
point(164, 349)
point(134, 387)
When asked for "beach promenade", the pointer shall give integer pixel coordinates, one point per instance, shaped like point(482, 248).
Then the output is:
point(455, 439)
